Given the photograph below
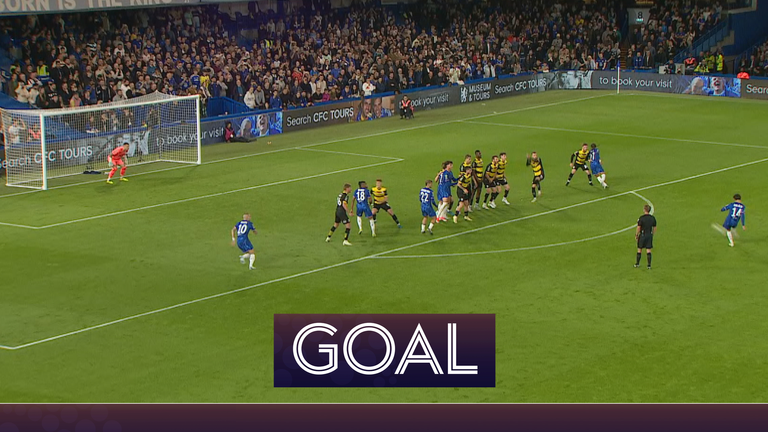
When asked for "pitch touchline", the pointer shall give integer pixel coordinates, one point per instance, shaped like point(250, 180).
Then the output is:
point(527, 248)
point(613, 134)
point(324, 143)
point(321, 269)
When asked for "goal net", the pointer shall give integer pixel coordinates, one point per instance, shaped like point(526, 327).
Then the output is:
point(46, 144)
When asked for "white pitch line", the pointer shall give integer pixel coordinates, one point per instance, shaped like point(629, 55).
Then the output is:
point(527, 248)
point(18, 225)
point(500, 251)
point(548, 128)
point(217, 194)
point(345, 153)
point(359, 137)
point(341, 264)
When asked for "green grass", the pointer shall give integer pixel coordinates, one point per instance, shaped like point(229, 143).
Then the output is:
point(575, 323)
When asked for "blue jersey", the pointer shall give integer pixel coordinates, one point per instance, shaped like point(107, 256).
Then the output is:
point(594, 162)
point(362, 195)
point(243, 228)
point(428, 204)
point(736, 213)
point(594, 155)
point(445, 180)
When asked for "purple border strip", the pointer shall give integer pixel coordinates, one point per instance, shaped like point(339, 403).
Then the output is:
point(384, 417)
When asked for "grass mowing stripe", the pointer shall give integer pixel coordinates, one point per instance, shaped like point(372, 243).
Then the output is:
point(321, 269)
point(618, 134)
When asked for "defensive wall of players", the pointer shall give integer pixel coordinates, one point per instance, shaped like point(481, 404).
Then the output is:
point(262, 124)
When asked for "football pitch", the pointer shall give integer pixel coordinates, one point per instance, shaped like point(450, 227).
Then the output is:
point(133, 292)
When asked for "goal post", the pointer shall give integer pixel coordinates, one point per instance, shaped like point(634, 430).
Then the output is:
point(47, 144)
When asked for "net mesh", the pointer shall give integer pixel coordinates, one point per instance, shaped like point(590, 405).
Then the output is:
point(46, 144)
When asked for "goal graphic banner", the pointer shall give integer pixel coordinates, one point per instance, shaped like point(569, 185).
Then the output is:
point(45, 144)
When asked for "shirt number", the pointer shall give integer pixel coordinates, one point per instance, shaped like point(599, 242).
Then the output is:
point(242, 229)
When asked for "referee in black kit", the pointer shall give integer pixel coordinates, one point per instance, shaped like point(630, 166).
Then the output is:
point(646, 228)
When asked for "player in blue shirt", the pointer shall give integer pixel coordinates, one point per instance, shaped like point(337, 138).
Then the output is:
point(362, 198)
point(596, 165)
point(428, 205)
point(240, 238)
point(736, 212)
point(445, 181)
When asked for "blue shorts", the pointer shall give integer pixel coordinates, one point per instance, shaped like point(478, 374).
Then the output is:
point(730, 223)
point(364, 210)
point(428, 211)
point(596, 167)
point(244, 244)
point(443, 192)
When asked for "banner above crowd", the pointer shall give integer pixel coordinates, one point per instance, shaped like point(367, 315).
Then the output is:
point(26, 7)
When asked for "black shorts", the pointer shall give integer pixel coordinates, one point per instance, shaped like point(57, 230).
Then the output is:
point(464, 196)
point(489, 183)
point(501, 181)
point(582, 167)
point(342, 217)
point(537, 179)
point(384, 206)
point(645, 241)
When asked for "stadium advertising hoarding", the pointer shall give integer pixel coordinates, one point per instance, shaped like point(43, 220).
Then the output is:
point(385, 350)
point(512, 86)
point(430, 98)
point(248, 127)
point(322, 115)
point(680, 84)
point(373, 108)
point(23, 7)
point(754, 89)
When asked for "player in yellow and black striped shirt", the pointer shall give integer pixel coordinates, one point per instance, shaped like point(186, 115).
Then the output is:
point(489, 181)
point(479, 168)
point(534, 161)
point(501, 177)
point(462, 169)
point(464, 191)
point(381, 202)
point(579, 162)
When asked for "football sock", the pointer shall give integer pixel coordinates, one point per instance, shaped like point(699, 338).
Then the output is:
point(639, 254)
point(649, 259)
point(431, 225)
point(374, 217)
point(533, 191)
point(589, 176)
point(346, 234)
point(112, 172)
point(423, 227)
point(601, 177)
point(539, 185)
point(477, 198)
point(394, 217)
point(330, 233)
point(730, 236)
point(494, 195)
point(466, 212)
point(486, 197)
point(506, 192)
point(360, 223)
point(373, 227)
point(570, 177)
point(122, 171)
point(252, 260)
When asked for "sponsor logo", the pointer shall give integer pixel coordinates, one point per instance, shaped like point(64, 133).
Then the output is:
point(432, 100)
point(324, 116)
point(756, 90)
point(475, 92)
point(384, 350)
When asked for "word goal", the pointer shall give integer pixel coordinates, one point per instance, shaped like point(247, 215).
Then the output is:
point(46, 144)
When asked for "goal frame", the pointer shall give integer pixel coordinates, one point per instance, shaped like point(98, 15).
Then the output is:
point(43, 114)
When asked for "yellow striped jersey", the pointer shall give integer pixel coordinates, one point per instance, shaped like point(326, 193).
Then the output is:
point(581, 156)
point(379, 195)
point(536, 166)
point(465, 180)
point(479, 168)
point(491, 169)
point(501, 169)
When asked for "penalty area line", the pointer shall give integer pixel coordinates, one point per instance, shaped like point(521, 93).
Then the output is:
point(344, 263)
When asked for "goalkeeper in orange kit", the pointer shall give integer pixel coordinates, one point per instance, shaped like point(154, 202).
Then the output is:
point(117, 157)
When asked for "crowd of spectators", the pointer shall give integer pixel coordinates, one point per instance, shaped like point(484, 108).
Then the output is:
point(315, 53)
point(672, 26)
point(755, 63)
